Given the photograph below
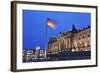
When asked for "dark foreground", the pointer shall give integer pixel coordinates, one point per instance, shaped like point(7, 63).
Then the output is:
point(63, 56)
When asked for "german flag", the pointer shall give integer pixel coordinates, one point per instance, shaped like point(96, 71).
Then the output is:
point(51, 23)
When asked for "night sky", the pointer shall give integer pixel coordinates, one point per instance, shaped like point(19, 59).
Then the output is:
point(34, 25)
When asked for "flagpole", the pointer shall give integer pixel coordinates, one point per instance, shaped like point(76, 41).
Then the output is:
point(52, 25)
point(46, 40)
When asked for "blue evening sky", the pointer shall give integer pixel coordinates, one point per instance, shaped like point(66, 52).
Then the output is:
point(34, 25)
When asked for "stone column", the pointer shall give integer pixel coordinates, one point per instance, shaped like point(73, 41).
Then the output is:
point(59, 46)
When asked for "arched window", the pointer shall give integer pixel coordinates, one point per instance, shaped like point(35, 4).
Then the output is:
point(79, 38)
point(88, 35)
point(83, 36)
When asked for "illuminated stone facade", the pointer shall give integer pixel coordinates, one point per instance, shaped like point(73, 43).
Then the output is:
point(74, 40)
